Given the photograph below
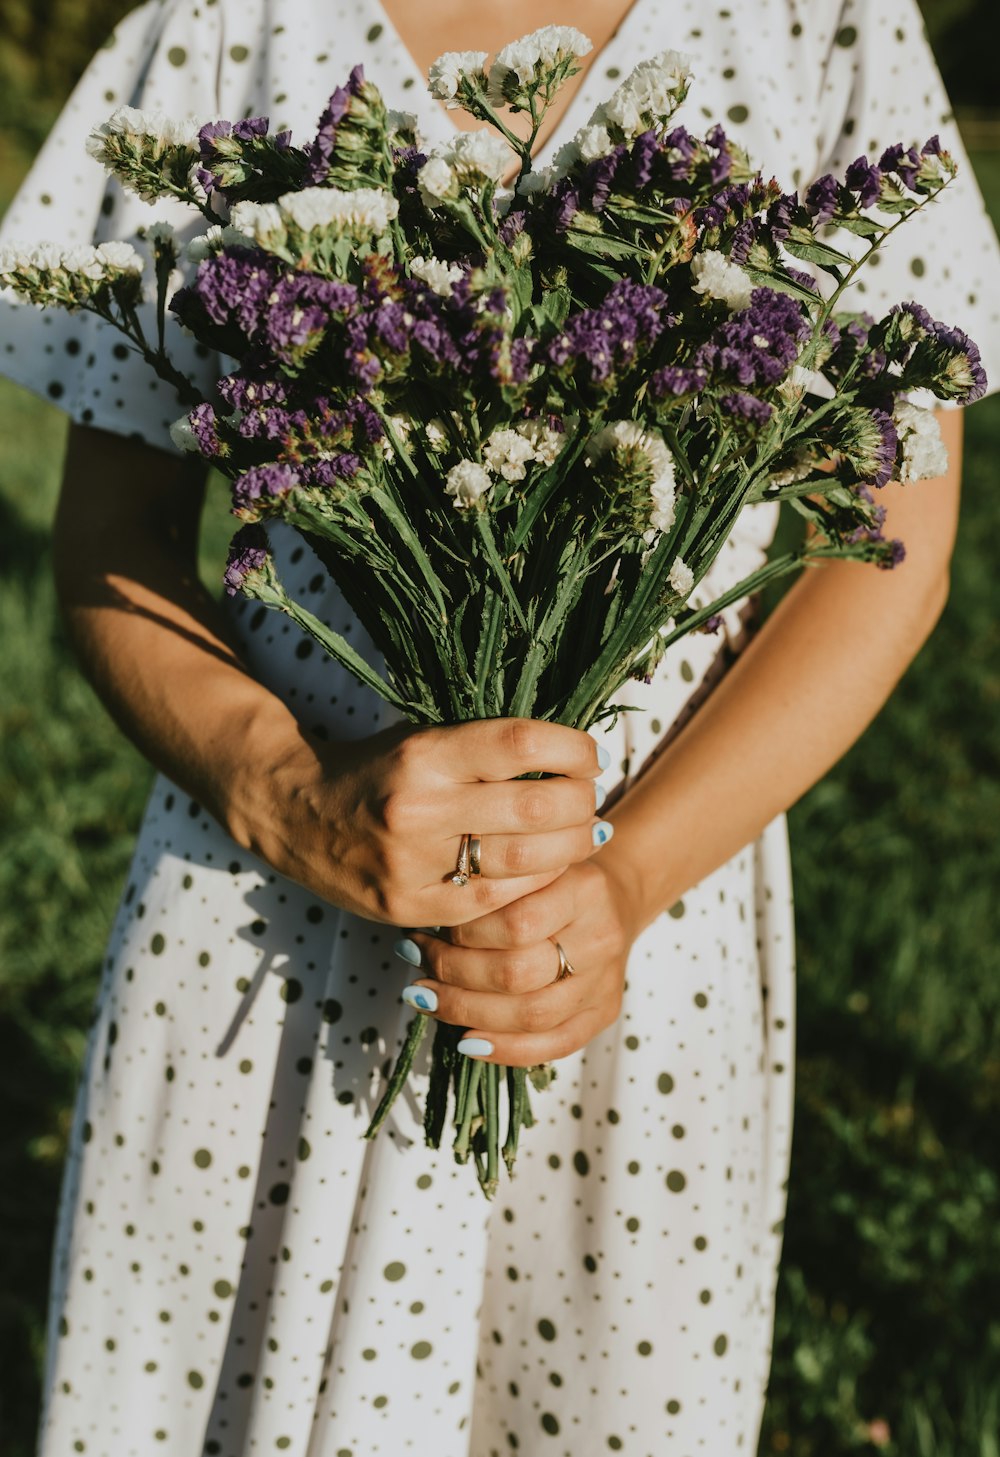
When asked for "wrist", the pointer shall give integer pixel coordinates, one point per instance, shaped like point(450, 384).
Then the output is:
point(265, 758)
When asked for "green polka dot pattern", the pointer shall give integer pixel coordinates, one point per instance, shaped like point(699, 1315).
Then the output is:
point(236, 1269)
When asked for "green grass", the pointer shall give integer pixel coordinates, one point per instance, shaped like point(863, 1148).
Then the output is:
point(891, 1280)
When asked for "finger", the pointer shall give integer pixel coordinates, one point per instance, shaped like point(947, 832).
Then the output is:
point(451, 906)
point(506, 857)
point(510, 972)
point(503, 748)
point(528, 919)
point(526, 1049)
point(518, 806)
point(541, 1010)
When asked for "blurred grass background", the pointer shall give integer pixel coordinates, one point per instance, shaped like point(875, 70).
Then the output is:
point(888, 1329)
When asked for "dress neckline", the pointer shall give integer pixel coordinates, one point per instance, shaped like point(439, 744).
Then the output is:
point(444, 128)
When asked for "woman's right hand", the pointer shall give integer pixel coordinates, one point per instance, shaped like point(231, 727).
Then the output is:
point(375, 825)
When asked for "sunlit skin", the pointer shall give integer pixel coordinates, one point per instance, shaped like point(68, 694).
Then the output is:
point(375, 825)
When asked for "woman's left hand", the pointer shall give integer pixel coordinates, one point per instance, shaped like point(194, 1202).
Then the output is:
point(496, 976)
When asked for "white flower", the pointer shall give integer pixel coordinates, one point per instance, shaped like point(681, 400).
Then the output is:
point(629, 434)
point(543, 180)
point(480, 152)
point(467, 482)
point(400, 121)
point(545, 442)
point(205, 244)
point(436, 433)
point(450, 69)
point(718, 278)
point(182, 435)
point(257, 220)
point(523, 61)
point(363, 209)
point(435, 180)
point(438, 276)
point(593, 141)
point(473, 159)
point(648, 96)
point(121, 257)
point(681, 577)
point(83, 260)
point(507, 452)
point(925, 454)
point(149, 125)
point(159, 231)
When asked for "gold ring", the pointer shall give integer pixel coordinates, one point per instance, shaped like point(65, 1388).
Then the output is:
point(468, 867)
point(566, 967)
point(461, 875)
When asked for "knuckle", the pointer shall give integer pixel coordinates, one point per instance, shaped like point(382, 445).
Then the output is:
point(533, 807)
point(510, 974)
point(520, 924)
point(515, 855)
point(535, 1014)
point(522, 738)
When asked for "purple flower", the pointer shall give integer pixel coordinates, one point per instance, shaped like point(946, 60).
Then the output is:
point(205, 426)
point(645, 150)
point(904, 161)
point(758, 345)
point(746, 407)
point(895, 555)
point(512, 225)
point(866, 180)
point(675, 379)
point(567, 205)
point(248, 552)
point(610, 337)
point(230, 288)
point(600, 174)
point(743, 240)
point(250, 127)
point(679, 140)
point(320, 151)
point(822, 197)
point(342, 467)
point(781, 216)
point(962, 376)
point(263, 483)
point(884, 455)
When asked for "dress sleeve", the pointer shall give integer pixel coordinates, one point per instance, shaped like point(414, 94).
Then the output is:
point(882, 85)
point(159, 58)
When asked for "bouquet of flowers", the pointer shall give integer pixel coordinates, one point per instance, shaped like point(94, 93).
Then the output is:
point(518, 423)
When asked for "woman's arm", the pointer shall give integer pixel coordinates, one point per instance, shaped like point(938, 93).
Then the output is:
point(795, 700)
point(798, 696)
point(371, 825)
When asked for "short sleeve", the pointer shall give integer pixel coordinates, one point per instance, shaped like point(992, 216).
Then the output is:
point(159, 58)
point(882, 85)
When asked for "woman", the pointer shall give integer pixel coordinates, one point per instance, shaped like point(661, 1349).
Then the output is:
point(236, 1269)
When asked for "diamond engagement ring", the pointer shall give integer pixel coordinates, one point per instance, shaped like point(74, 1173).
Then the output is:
point(467, 867)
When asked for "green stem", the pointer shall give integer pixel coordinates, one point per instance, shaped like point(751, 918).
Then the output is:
point(399, 1074)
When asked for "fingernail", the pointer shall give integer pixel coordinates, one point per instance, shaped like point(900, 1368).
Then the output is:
point(475, 1047)
point(603, 757)
point(601, 794)
point(423, 998)
point(603, 831)
point(408, 950)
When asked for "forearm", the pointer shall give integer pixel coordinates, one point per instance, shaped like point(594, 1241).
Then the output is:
point(798, 696)
point(153, 642)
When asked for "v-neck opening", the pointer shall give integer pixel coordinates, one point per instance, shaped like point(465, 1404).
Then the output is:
point(583, 96)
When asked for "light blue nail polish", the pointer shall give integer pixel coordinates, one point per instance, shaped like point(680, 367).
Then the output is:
point(408, 950)
point(603, 831)
point(475, 1047)
point(603, 757)
point(423, 998)
point(600, 793)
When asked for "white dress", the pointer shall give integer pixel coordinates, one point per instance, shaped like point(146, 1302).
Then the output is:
point(236, 1271)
